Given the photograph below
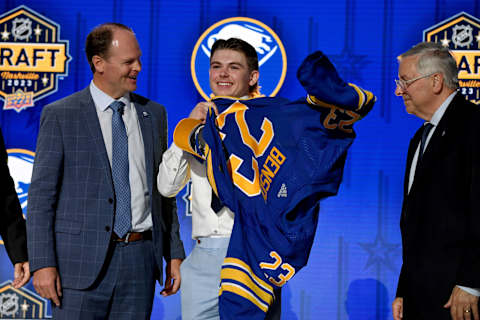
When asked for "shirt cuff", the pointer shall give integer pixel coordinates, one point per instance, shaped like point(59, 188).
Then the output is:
point(472, 291)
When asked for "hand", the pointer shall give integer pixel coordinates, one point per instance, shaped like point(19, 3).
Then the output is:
point(460, 301)
point(172, 282)
point(21, 274)
point(200, 111)
point(47, 283)
point(397, 308)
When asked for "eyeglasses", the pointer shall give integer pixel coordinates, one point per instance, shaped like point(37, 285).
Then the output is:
point(403, 84)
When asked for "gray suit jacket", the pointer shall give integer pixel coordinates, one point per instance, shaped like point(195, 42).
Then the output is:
point(71, 196)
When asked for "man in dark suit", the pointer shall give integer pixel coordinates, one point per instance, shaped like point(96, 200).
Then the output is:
point(440, 220)
point(12, 224)
point(98, 228)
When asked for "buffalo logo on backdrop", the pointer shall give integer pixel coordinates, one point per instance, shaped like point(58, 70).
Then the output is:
point(32, 58)
point(20, 164)
point(461, 33)
point(21, 303)
point(271, 53)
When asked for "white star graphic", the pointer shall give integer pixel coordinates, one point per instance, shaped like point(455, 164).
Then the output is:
point(445, 42)
point(5, 34)
point(25, 306)
point(37, 30)
point(44, 80)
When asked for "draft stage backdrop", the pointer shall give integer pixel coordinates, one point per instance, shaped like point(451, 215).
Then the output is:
point(356, 257)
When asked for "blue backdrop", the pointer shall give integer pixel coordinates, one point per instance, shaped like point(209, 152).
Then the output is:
point(356, 258)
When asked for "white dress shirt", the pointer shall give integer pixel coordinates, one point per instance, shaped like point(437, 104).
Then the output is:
point(176, 169)
point(140, 199)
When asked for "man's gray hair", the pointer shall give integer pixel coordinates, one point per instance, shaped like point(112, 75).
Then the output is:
point(433, 57)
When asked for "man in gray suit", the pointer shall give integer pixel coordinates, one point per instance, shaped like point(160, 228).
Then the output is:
point(98, 228)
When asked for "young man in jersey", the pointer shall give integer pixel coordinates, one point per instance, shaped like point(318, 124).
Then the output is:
point(233, 72)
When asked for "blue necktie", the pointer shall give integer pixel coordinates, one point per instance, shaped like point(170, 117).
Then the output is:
point(426, 130)
point(120, 171)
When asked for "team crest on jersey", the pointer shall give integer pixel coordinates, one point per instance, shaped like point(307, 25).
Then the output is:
point(272, 58)
point(461, 33)
point(21, 303)
point(32, 58)
point(187, 199)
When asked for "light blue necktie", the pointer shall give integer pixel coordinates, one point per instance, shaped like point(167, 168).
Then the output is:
point(120, 171)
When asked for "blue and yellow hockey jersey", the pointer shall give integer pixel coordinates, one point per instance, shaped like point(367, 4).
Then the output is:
point(271, 161)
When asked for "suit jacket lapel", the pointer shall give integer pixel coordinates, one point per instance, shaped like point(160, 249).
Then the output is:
point(411, 152)
point(145, 120)
point(441, 131)
point(93, 127)
point(434, 147)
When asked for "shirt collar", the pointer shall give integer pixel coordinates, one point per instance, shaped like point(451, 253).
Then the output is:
point(103, 100)
point(437, 116)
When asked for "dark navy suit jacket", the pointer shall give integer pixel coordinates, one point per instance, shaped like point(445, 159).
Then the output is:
point(12, 224)
point(440, 220)
point(71, 197)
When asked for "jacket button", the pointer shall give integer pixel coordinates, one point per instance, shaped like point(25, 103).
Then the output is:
point(107, 228)
point(110, 200)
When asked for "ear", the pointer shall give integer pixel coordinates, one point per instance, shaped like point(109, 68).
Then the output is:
point(253, 77)
point(99, 63)
point(438, 82)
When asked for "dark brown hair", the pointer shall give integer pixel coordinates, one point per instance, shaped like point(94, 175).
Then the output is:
point(99, 41)
point(240, 46)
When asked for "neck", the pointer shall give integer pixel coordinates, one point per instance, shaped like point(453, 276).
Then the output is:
point(435, 104)
point(102, 86)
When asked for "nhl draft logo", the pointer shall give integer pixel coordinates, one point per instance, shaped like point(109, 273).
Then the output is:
point(21, 303)
point(461, 33)
point(32, 58)
point(272, 58)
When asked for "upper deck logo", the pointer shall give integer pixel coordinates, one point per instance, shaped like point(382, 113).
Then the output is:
point(32, 57)
point(272, 58)
point(461, 33)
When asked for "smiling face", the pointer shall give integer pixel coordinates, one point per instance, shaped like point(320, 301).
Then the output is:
point(116, 73)
point(229, 74)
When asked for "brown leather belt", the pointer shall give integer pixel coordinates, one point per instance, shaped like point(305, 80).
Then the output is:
point(133, 236)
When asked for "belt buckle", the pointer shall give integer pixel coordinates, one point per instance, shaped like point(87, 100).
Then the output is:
point(127, 237)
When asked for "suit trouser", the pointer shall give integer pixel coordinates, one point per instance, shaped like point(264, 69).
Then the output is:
point(124, 289)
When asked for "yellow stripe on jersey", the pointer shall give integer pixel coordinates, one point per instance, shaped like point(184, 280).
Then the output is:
point(362, 94)
point(182, 133)
point(243, 278)
point(240, 264)
point(314, 100)
point(240, 291)
point(210, 176)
